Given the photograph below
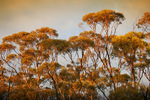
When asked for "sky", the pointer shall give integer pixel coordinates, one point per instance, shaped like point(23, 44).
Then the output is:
point(63, 15)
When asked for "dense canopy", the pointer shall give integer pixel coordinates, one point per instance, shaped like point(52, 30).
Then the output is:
point(97, 64)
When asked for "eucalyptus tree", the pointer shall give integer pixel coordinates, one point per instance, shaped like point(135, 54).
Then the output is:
point(23, 54)
point(30, 64)
point(129, 46)
point(104, 25)
point(3, 79)
point(144, 22)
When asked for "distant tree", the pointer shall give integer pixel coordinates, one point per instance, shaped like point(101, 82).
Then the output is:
point(27, 56)
point(144, 22)
point(100, 64)
point(126, 93)
point(105, 23)
point(129, 46)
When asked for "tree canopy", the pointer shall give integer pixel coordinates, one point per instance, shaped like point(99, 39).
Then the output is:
point(99, 63)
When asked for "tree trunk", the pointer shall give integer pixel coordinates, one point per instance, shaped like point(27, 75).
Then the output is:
point(133, 76)
point(57, 96)
point(8, 90)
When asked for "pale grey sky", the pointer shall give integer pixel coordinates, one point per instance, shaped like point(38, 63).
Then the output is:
point(63, 15)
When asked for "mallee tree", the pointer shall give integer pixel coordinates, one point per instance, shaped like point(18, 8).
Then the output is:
point(100, 64)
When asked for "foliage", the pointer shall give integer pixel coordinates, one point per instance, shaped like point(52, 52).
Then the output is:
point(125, 93)
point(31, 66)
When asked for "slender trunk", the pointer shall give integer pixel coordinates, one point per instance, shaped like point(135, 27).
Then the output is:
point(80, 84)
point(91, 97)
point(38, 76)
point(109, 62)
point(118, 75)
point(133, 75)
point(82, 59)
point(2, 71)
point(57, 96)
point(146, 95)
point(54, 82)
point(56, 91)
point(8, 90)
point(149, 84)
point(112, 80)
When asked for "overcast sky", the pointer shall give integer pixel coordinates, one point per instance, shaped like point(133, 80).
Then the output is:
point(63, 15)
